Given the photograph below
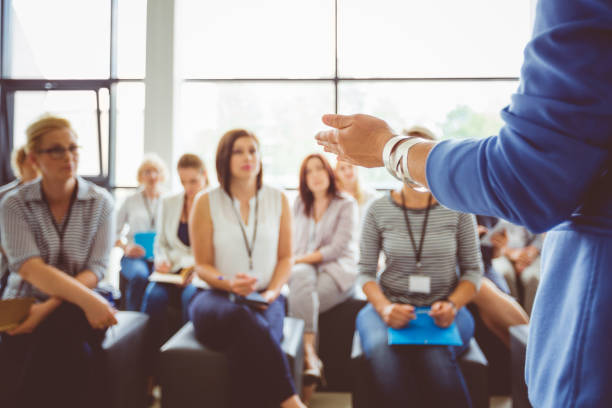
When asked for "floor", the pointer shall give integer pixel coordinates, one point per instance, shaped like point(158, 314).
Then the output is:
point(343, 400)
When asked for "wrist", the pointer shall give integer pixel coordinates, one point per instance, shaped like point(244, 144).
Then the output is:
point(452, 303)
point(380, 306)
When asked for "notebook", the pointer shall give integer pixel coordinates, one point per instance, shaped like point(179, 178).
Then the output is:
point(423, 331)
point(178, 278)
point(146, 240)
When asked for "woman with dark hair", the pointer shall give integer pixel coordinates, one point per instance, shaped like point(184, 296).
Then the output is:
point(172, 249)
point(57, 233)
point(326, 254)
point(240, 233)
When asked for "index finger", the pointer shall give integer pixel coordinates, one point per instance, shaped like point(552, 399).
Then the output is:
point(337, 121)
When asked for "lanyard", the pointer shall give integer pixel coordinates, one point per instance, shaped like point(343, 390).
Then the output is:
point(61, 229)
point(149, 211)
point(418, 251)
point(249, 248)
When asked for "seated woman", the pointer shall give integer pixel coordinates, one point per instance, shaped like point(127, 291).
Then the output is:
point(424, 243)
point(172, 247)
point(23, 168)
point(139, 212)
point(517, 258)
point(25, 171)
point(497, 310)
point(57, 233)
point(326, 254)
point(348, 181)
point(241, 237)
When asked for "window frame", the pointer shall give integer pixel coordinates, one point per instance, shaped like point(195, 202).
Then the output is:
point(337, 79)
point(9, 85)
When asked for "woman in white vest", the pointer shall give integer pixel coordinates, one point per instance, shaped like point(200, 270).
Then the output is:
point(241, 237)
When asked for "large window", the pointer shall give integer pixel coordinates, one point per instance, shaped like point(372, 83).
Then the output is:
point(275, 66)
point(83, 60)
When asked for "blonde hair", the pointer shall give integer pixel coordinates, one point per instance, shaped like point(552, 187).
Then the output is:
point(42, 126)
point(359, 196)
point(420, 131)
point(152, 160)
point(17, 159)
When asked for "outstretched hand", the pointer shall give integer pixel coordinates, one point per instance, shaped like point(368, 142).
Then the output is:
point(357, 139)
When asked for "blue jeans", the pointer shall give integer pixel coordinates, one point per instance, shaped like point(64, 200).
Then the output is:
point(59, 364)
point(251, 339)
point(415, 376)
point(155, 303)
point(136, 271)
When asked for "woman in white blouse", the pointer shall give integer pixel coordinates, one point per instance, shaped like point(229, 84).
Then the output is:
point(173, 248)
point(139, 212)
point(241, 238)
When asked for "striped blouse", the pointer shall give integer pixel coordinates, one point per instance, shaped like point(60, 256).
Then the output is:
point(28, 231)
point(451, 251)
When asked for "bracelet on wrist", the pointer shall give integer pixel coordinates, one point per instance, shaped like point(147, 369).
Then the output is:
point(452, 304)
point(395, 158)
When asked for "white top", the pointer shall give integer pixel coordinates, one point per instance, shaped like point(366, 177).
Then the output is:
point(139, 213)
point(231, 256)
point(168, 246)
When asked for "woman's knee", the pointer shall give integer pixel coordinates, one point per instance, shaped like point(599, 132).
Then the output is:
point(303, 278)
point(156, 296)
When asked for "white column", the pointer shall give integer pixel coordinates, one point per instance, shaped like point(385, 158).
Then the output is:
point(160, 82)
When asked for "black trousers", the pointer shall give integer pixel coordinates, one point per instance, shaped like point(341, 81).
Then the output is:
point(60, 364)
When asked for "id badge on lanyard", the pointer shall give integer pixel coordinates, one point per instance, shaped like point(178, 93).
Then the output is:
point(419, 284)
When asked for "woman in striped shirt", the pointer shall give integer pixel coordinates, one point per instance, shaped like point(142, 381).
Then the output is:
point(57, 234)
point(424, 244)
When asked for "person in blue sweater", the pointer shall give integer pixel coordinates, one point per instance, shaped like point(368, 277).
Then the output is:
point(549, 170)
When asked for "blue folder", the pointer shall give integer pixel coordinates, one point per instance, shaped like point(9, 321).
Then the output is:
point(423, 331)
point(146, 240)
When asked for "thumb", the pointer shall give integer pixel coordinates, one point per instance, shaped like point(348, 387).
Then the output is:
point(338, 121)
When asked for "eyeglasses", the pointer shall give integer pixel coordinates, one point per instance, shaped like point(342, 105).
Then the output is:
point(58, 152)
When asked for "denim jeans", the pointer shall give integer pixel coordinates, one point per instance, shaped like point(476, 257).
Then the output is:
point(136, 271)
point(251, 339)
point(415, 376)
point(157, 298)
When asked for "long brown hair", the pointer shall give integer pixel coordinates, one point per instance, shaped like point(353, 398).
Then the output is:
point(224, 154)
point(305, 194)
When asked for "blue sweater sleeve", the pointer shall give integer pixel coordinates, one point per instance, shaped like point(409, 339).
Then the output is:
point(558, 128)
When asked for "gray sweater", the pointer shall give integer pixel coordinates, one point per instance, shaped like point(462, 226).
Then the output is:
point(451, 251)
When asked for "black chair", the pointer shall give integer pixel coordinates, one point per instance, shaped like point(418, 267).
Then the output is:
point(124, 354)
point(518, 346)
point(473, 365)
point(336, 329)
point(496, 352)
point(192, 375)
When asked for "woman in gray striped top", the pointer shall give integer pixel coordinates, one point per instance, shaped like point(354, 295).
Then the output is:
point(57, 234)
point(424, 244)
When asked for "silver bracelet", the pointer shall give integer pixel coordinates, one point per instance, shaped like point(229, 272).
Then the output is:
point(401, 160)
point(386, 154)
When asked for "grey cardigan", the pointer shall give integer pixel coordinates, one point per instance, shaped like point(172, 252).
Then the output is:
point(335, 238)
